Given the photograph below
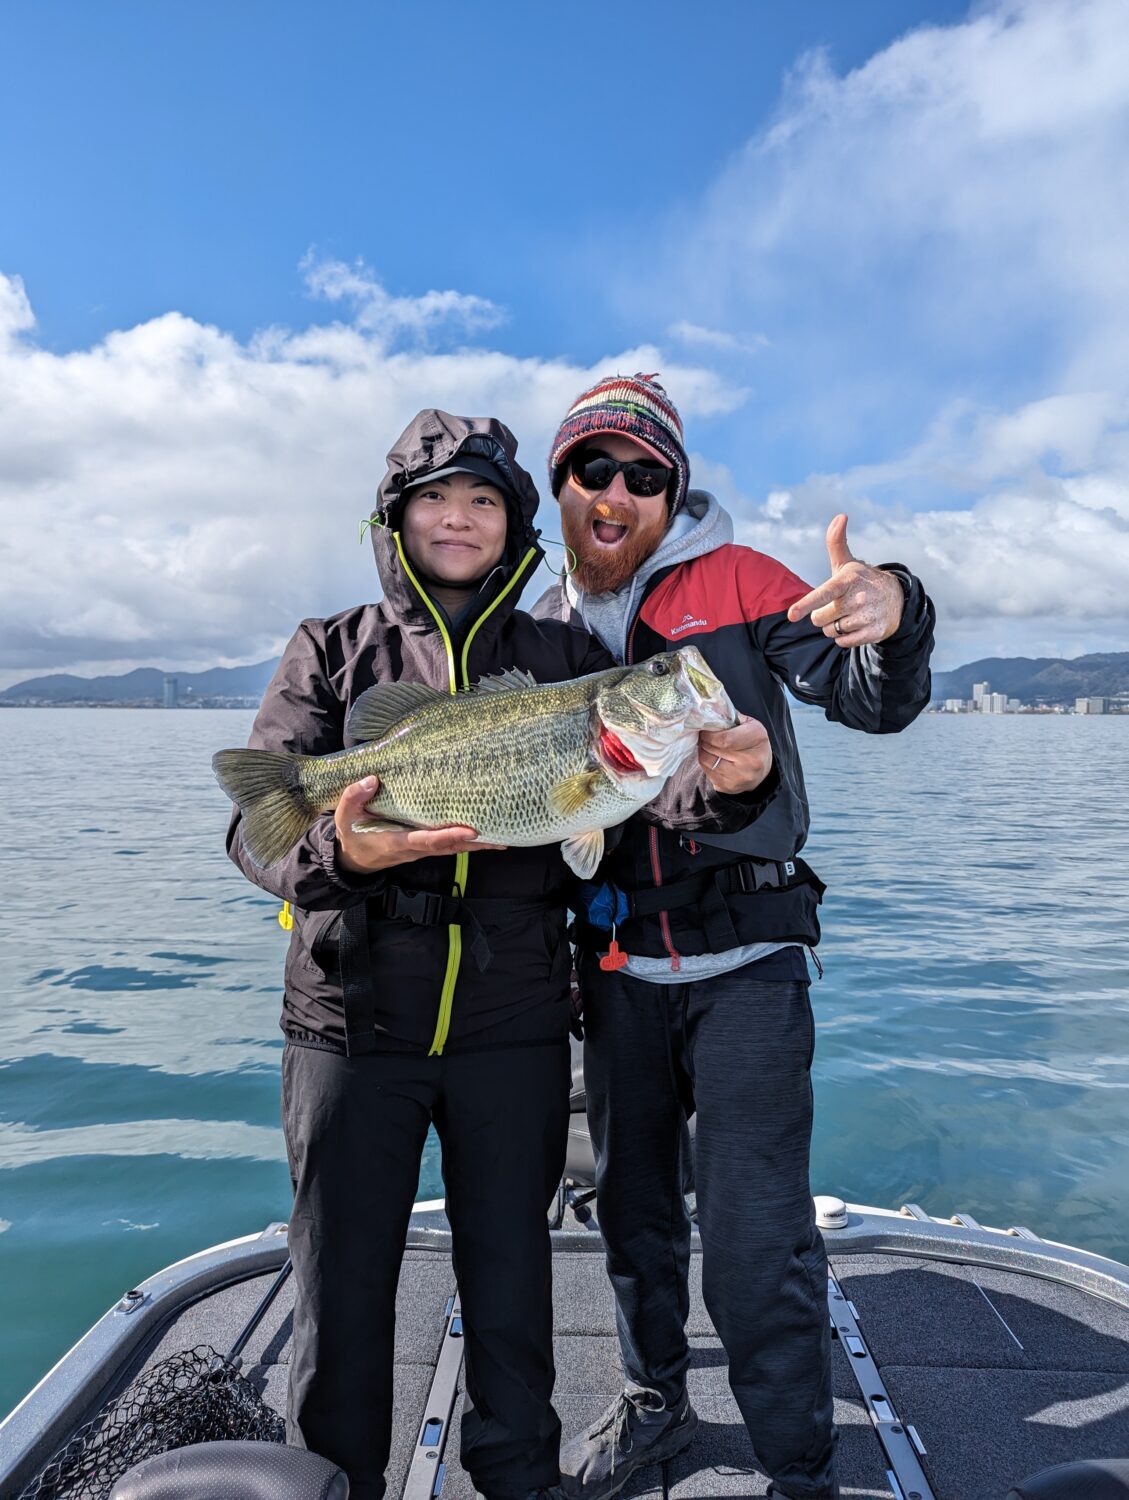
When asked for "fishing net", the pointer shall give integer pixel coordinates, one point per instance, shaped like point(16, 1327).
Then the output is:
point(193, 1397)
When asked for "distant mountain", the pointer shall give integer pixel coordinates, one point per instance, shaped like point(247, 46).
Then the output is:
point(143, 685)
point(1040, 679)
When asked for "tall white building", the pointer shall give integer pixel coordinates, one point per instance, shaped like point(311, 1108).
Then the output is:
point(979, 693)
point(998, 703)
point(1089, 705)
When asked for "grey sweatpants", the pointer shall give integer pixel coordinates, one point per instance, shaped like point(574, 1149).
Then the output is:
point(736, 1051)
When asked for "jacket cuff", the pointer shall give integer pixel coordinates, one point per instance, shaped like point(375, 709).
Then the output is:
point(355, 885)
point(757, 800)
point(915, 611)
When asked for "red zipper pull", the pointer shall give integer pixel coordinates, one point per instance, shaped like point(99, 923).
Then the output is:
point(614, 958)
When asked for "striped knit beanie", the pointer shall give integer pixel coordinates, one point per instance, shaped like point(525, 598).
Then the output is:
point(635, 406)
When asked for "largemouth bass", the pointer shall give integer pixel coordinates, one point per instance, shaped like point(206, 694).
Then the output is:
point(521, 763)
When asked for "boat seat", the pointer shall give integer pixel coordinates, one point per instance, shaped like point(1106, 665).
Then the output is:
point(233, 1471)
point(1091, 1479)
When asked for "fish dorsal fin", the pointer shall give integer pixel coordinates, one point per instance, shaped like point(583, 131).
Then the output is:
point(505, 682)
point(568, 797)
point(379, 709)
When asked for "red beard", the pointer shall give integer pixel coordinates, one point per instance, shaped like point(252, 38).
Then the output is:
point(600, 570)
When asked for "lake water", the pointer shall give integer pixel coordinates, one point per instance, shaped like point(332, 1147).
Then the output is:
point(973, 1040)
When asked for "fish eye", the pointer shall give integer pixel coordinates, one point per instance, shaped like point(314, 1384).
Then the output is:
point(659, 668)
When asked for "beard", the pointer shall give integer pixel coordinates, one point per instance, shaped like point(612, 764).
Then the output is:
point(602, 570)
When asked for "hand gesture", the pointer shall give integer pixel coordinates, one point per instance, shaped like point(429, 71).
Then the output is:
point(368, 853)
point(858, 605)
point(737, 759)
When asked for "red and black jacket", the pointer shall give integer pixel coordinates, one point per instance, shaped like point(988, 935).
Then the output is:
point(705, 872)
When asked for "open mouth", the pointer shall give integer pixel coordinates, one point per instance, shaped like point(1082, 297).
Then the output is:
point(608, 533)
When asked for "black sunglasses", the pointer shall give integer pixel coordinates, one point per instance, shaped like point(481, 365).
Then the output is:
point(595, 471)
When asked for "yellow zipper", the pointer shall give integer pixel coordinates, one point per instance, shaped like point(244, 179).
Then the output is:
point(462, 861)
point(435, 615)
point(518, 571)
point(454, 955)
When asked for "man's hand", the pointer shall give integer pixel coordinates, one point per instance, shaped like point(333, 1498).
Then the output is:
point(858, 605)
point(368, 853)
point(737, 759)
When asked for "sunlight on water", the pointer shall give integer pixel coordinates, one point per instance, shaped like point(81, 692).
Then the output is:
point(973, 1050)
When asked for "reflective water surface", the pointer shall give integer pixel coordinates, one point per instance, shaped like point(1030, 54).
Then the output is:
point(973, 1041)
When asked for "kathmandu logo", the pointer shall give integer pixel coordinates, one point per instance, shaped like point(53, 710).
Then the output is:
point(688, 623)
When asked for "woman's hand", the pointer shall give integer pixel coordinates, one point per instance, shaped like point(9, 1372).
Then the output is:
point(369, 853)
point(738, 759)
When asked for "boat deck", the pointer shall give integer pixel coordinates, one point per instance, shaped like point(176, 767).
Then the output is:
point(952, 1379)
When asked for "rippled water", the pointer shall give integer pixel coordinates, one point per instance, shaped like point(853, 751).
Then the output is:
point(973, 1045)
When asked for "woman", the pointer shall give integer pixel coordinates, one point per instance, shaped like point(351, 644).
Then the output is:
point(424, 985)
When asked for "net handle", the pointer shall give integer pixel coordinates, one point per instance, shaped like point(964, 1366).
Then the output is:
point(233, 1360)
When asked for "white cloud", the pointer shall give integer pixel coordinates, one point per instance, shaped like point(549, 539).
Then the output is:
point(714, 338)
point(925, 256)
point(174, 496)
point(377, 313)
point(934, 244)
point(962, 176)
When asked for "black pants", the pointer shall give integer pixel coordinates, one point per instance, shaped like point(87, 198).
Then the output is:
point(736, 1051)
point(355, 1129)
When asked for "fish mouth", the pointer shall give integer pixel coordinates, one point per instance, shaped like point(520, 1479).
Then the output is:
point(714, 708)
point(705, 684)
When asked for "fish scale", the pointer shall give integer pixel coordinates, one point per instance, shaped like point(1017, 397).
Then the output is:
point(501, 757)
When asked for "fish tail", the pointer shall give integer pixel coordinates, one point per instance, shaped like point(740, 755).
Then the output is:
point(266, 785)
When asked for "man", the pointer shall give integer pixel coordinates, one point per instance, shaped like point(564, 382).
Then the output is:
point(691, 947)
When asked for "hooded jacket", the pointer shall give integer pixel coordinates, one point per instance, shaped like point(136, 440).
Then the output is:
point(702, 871)
point(386, 962)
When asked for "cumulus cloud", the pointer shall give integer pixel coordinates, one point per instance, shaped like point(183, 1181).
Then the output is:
point(932, 246)
point(923, 256)
point(386, 317)
point(175, 496)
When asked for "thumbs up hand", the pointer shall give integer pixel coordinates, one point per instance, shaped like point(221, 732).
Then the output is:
point(858, 605)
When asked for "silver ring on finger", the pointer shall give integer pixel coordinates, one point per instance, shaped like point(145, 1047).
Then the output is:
point(716, 763)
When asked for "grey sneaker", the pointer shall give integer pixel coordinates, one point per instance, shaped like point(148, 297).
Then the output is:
point(636, 1430)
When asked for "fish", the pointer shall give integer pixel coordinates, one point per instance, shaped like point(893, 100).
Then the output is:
point(523, 763)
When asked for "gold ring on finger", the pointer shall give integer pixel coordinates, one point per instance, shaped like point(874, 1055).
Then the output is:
point(838, 627)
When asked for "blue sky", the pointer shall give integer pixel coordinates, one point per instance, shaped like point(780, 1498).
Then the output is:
point(877, 251)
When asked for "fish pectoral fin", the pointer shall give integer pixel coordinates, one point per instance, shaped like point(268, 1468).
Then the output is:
point(568, 797)
point(583, 853)
point(379, 709)
point(508, 681)
point(373, 824)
